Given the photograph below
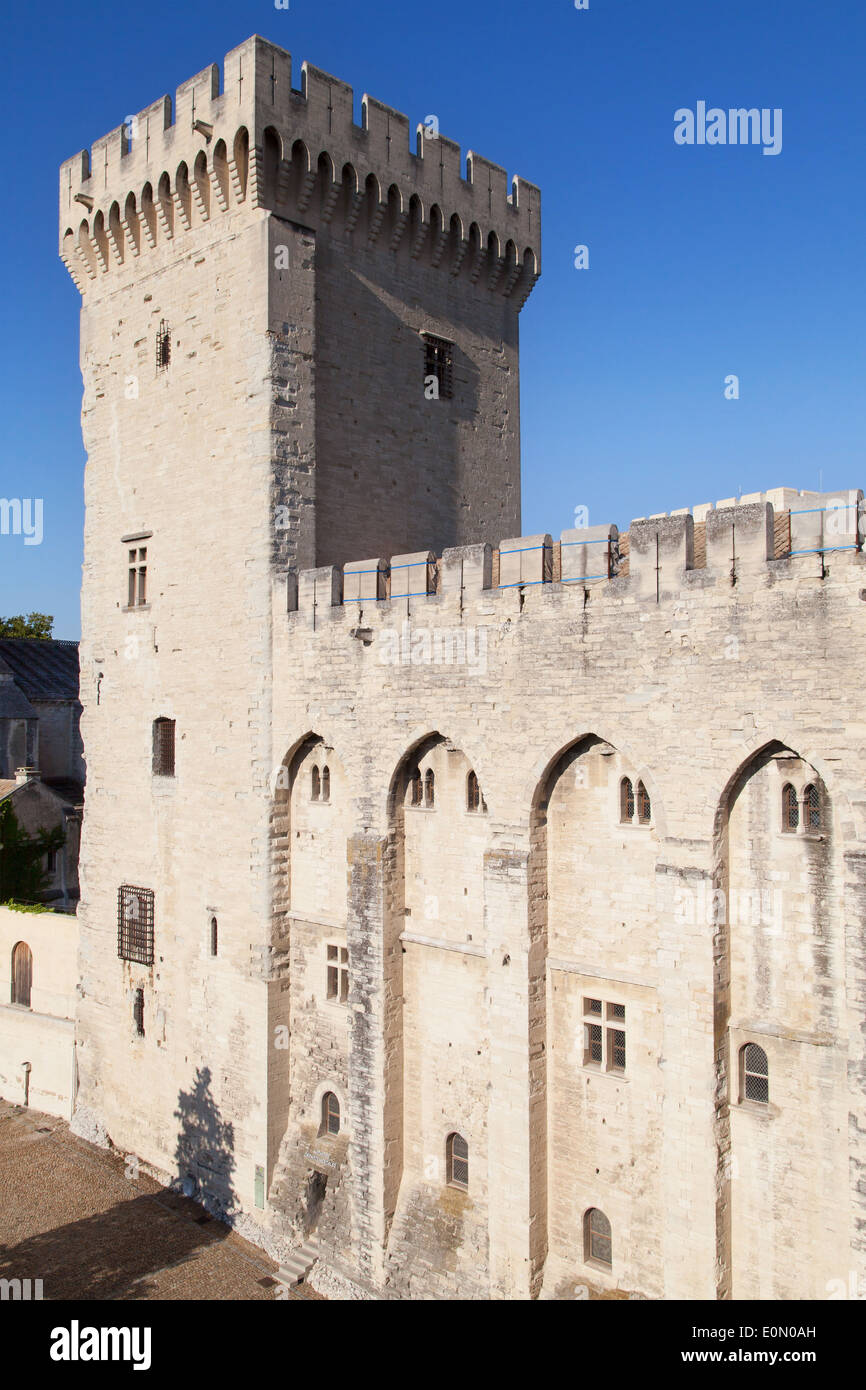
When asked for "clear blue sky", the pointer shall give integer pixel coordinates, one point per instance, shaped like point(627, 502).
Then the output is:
point(703, 261)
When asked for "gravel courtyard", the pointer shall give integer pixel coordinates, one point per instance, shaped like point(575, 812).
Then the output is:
point(70, 1217)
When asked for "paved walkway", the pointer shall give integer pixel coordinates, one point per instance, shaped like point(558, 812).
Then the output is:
point(70, 1217)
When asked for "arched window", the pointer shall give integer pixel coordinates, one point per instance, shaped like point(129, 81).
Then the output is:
point(473, 793)
point(22, 974)
point(241, 151)
point(330, 1114)
point(415, 784)
point(457, 1161)
point(596, 1238)
point(214, 936)
point(790, 808)
point(326, 784)
point(202, 183)
point(644, 805)
point(811, 808)
point(626, 801)
point(221, 170)
point(315, 784)
point(429, 787)
point(754, 1074)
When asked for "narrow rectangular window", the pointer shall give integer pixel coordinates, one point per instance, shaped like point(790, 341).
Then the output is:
point(138, 1012)
point(592, 1050)
point(615, 1050)
point(439, 364)
point(136, 593)
point(338, 973)
point(163, 747)
point(163, 346)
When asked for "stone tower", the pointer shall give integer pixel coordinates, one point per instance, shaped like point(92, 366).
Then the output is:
point(299, 344)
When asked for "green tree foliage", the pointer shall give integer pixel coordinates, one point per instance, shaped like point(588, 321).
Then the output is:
point(22, 876)
point(34, 625)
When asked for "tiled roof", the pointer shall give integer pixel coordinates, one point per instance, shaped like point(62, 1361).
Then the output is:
point(43, 669)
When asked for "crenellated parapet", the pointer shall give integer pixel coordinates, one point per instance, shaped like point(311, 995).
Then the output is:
point(245, 138)
point(784, 532)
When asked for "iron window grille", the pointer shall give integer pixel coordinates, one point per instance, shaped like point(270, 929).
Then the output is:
point(138, 1012)
point(457, 1151)
point(755, 1084)
point(626, 801)
point(135, 924)
point(812, 808)
point(163, 346)
point(790, 809)
point(473, 793)
point(439, 363)
point(644, 805)
point(163, 747)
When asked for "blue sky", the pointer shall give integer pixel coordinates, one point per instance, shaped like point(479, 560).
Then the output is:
point(703, 261)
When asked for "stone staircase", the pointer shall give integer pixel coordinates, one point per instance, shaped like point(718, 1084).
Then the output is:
point(297, 1265)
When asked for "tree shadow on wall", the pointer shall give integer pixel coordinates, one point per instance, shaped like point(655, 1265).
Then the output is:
point(204, 1155)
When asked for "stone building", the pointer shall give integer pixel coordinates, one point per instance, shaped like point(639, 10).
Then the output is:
point(483, 918)
point(41, 754)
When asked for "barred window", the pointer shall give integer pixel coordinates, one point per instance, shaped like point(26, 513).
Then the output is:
point(416, 787)
point(163, 747)
point(626, 801)
point(439, 364)
point(812, 808)
point(429, 787)
point(137, 585)
point(326, 784)
point(330, 1114)
point(596, 1238)
point(315, 784)
point(338, 973)
point(644, 805)
point(754, 1074)
point(457, 1161)
point(135, 924)
point(138, 1012)
point(473, 793)
point(163, 346)
point(790, 808)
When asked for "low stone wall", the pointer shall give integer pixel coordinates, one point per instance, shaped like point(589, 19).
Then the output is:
point(42, 1035)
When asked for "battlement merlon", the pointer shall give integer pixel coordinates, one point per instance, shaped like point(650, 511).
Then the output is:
point(665, 556)
point(288, 139)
